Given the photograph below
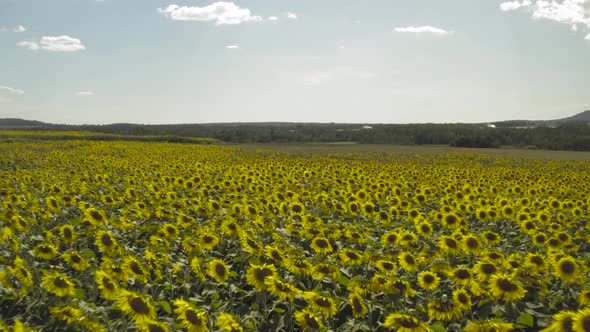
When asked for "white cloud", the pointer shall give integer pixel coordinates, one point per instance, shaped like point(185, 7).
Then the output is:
point(514, 5)
point(221, 12)
point(574, 13)
point(232, 47)
point(587, 37)
point(422, 29)
point(55, 44)
point(29, 44)
point(292, 16)
point(19, 28)
point(11, 90)
point(272, 18)
point(568, 11)
point(85, 93)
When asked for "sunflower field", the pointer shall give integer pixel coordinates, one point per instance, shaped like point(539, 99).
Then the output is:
point(151, 236)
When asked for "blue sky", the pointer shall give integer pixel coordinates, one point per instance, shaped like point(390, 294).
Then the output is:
point(371, 61)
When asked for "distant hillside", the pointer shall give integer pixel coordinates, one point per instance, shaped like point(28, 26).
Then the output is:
point(571, 133)
point(578, 118)
point(584, 117)
point(20, 123)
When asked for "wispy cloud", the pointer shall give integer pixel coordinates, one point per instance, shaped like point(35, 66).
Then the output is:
point(54, 44)
point(291, 15)
point(273, 18)
point(423, 29)
point(514, 5)
point(85, 93)
point(10, 90)
point(221, 12)
point(19, 28)
point(587, 37)
point(571, 12)
point(232, 47)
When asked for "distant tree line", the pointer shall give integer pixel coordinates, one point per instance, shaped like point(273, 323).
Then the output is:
point(567, 136)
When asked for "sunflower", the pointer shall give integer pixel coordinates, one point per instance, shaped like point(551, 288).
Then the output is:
point(53, 203)
point(73, 259)
point(351, 257)
point(359, 309)
point(170, 231)
point(407, 261)
point(275, 254)
point(471, 244)
point(281, 289)
point(321, 304)
point(106, 242)
point(428, 280)
point(22, 273)
point(218, 270)
point(484, 270)
point(567, 269)
point(308, 321)
point(385, 266)
point(539, 239)
point(450, 220)
point(58, 284)
point(67, 233)
point(390, 238)
point(491, 238)
point(196, 266)
point(536, 262)
point(256, 275)
point(325, 270)
point(68, 314)
point(321, 245)
point(135, 269)
point(208, 241)
point(562, 322)
point(228, 322)
point(582, 320)
point(407, 238)
point(136, 306)
point(403, 287)
point(504, 287)
point(405, 323)
point(45, 251)
point(553, 243)
point(584, 298)
point(95, 216)
point(443, 310)
point(424, 229)
point(461, 276)
point(462, 299)
point(299, 266)
point(449, 245)
point(152, 326)
point(250, 245)
point(192, 319)
point(108, 287)
point(494, 324)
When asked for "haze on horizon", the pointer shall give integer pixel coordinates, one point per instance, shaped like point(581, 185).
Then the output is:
point(378, 61)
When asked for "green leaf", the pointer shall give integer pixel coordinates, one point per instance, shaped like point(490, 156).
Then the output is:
point(526, 320)
point(342, 280)
point(438, 327)
point(166, 306)
point(278, 310)
point(79, 294)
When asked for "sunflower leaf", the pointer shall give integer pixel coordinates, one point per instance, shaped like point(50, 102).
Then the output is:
point(526, 320)
point(166, 306)
point(439, 327)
